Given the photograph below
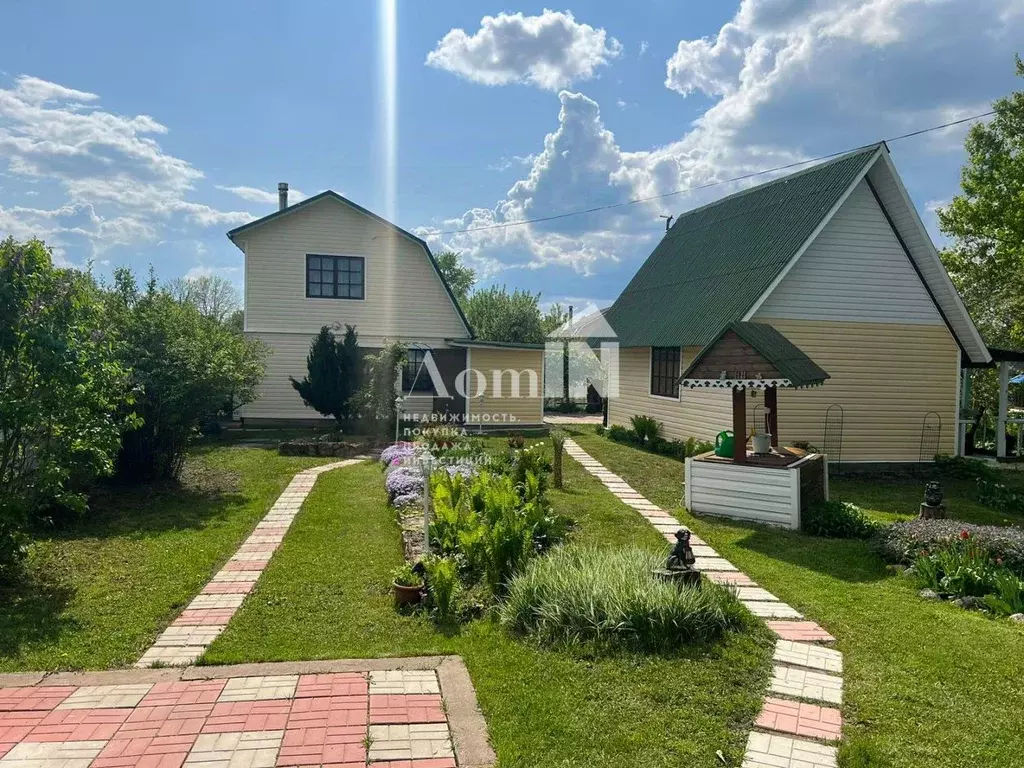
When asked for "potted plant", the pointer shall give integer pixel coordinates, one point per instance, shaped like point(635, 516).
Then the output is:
point(408, 585)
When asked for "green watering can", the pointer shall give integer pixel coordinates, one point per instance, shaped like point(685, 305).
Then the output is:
point(723, 444)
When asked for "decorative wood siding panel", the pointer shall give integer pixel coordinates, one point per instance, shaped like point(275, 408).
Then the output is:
point(698, 413)
point(745, 493)
point(886, 377)
point(404, 297)
point(737, 359)
point(854, 270)
point(277, 398)
point(506, 409)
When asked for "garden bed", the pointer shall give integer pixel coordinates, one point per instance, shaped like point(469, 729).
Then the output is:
point(312, 446)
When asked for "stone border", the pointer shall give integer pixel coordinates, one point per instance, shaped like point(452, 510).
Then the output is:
point(466, 722)
point(796, 727)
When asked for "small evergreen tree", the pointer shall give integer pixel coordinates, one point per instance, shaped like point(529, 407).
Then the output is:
point(332, 374)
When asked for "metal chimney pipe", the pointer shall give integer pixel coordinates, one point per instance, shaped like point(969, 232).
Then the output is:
point(282, 195)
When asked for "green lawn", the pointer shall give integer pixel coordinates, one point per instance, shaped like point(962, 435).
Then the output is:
point(927, 684)
point(326, 594)
point(97, 592)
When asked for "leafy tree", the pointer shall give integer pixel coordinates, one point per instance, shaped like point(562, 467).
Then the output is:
point(986, 223)
point(332, 374)
point(376, 398)
point(65, 397)
point(554, 319)
point(459, 277)
point(186, 365)
point(214, 296)
point(497, 315)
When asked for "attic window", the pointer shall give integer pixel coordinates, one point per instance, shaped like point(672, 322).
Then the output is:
point(665, 372)
point(335, 277)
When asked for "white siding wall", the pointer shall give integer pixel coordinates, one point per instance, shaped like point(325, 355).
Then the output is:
point(854, 270)
point(404, 297)
point(702, 414)
point(745, 493)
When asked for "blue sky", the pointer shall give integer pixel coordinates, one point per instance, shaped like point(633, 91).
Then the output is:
point(139, 133)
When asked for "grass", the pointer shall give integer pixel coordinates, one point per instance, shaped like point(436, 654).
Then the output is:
point(326, 594)
point(927, 684)
point(98, 591)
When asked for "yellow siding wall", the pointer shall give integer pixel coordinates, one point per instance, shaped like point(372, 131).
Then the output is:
point(702, 414)
point(277, 399)
point(886, 376)
point(505, 410)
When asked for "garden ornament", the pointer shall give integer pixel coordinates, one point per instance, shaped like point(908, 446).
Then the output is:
point(679, 566)
point(933, 508)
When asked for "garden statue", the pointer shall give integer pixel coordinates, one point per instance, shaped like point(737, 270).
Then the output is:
point(933, 508)
point(679, 566)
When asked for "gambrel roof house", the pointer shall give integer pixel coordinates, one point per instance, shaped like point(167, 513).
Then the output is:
point(837, 260)
point(328, 261)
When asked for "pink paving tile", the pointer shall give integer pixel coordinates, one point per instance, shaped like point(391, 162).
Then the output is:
point(735, 578)
point(228, 587)
point(800, 719)
point(338, 684)
point(159, 752)
point(6, 747)
point(197, 617)
point(229, 716)
point(328, 712)
point(78, 725)
point(33, 698)
point(244, 565)
point(183, 692)
point(423, 708)
point(257, 549)
point(15, 726)
point(165, 721)
point(342, 746)
point(800, 631)
point(435, 762)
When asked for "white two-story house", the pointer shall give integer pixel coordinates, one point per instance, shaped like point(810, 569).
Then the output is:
point(329, 261)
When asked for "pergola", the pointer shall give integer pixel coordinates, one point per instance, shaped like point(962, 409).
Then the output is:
point(746, 356)
point(1003, 360)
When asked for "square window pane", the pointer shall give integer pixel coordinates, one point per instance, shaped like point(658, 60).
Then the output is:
point(356, 265)
point(357, 291)
point(314, 289)
point(343, 291)
point(313, 275)
point(313, 262)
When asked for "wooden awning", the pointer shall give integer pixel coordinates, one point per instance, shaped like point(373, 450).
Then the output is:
point(752, 356)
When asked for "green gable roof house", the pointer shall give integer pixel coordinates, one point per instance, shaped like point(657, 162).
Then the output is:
point(835, 263)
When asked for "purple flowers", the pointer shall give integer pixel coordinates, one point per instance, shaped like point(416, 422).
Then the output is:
point(398, 452)
point(403, 481)
point(407, 500)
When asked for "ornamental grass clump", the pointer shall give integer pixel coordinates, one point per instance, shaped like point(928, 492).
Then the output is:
point(609, 598)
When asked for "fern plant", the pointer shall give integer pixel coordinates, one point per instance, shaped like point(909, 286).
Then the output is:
point(647, 429)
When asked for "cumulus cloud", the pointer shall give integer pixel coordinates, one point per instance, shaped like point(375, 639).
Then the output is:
point(120, 186)
point(257, 195)
point(788, 80)
point(550, 51)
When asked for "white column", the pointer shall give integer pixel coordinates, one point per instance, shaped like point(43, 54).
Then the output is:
point(1004, 406)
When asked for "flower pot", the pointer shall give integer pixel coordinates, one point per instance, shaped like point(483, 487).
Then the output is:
point(407, 595)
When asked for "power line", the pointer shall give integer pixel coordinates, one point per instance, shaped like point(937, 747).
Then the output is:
point(744, 177)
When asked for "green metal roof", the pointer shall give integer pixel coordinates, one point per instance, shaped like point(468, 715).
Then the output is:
point(768, 342)
point(498, 344)
point(332, 195)
point(717, 260)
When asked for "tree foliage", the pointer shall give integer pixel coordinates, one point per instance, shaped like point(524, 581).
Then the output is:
point(459, 277)
point(332, 374)
point(65, 397)
point(214, 296)
point(186, 365)
point(986, 223)
point(497, 315)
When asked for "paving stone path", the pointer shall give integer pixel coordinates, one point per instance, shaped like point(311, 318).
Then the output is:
point(799, 721)
point(189, 635)
point(411, 713)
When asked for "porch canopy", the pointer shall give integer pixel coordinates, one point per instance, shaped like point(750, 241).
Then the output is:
point(745, 356)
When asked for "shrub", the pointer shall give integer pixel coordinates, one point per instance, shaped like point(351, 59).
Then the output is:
point(332, 374)
point(964, 468)
point(836, 520)
point(186, 366)
point(646, 428)
point(65, 396)
point(442, 587)
point(1000, 497)
point(902, 542)
point(375, 400)
point(620, 434)
point(609, 597)
point(599, 430)
point(961, 566)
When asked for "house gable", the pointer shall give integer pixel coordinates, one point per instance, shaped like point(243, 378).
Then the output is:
point(854, 270)
point(405, 295)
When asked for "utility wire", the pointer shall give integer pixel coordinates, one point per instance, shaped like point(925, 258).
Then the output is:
point(744, 177)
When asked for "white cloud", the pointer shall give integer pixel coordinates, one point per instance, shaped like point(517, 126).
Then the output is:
point(789, 80)
point(205, 271)
point(550, 51)
point(257, 195)
point(120, 186)
point(644, 45)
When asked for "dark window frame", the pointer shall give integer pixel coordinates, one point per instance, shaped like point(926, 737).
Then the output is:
point(338, 265)
point(665, 372)
point(413, 365)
